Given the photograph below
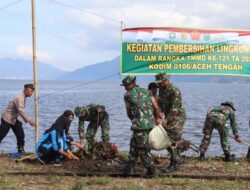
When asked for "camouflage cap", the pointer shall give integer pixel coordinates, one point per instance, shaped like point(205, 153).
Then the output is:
point(228, 103)
point(161, 77)
point(79, 111)
point(128, 80)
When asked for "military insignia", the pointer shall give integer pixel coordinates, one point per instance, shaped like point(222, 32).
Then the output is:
point(206, 37)
point(183, 36)
point(172, 35)
point(195, 36)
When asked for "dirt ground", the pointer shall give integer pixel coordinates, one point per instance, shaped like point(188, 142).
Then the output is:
point(105, 172)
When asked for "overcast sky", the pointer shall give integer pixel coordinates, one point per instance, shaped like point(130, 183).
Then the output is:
point(69, 39)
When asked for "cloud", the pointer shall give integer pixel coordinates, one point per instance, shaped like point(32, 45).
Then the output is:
point(26, 52)
point(69, 39)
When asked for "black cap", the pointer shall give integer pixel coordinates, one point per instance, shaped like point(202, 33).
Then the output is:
point(29, 86)
point(152, 85)
point(68, 113)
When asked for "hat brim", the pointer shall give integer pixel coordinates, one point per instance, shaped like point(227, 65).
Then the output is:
point(225, 104)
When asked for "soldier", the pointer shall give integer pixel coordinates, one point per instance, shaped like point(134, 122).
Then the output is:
point(97, 116)
point(217, 118)
point(140, 107)
point(170, 102)
point(11, 117)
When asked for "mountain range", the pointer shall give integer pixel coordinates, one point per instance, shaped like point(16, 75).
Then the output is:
point(23, 69)
point(107, 70)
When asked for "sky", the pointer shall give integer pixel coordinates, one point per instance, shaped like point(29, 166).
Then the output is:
point(72, 34)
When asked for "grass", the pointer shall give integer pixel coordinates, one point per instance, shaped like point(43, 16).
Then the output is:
point(52, 178)
point(99, 181)
point(6, 182)
point(126, 187)
point(107, 183)
point(79, 185)
point(173, 182)
point(53, 181)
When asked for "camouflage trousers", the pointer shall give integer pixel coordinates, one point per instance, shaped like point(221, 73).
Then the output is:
point(92, 129)
point(215, 122)
point(176, 120)
point(174, 129)
point(138, 148)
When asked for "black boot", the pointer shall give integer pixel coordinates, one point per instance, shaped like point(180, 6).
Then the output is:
point(171, 168)
point(151, 172)
point(202, 156)
point(227, 157)
point(180, 161)
point(129, 168)
point(21, 150)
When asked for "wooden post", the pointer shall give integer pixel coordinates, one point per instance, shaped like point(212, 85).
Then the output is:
point(35, 69)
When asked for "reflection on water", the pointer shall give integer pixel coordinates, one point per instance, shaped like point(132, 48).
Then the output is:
point(57, 96)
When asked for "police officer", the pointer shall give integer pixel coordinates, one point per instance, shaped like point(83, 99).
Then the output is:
point(170, 102)
point(10, 117)
point(140, 108)
point(97, 116)
point(248, 154)
point(217, 118)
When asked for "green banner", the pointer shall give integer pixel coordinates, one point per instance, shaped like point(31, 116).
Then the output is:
point(185, 51)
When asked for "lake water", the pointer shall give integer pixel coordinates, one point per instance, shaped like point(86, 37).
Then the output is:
point(57, 96)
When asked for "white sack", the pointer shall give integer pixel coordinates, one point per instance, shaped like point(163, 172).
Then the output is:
point(158, 138)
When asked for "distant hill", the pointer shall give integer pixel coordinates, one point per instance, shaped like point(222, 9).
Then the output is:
point(96, 71)
point(109, 68)
point(103, 71)
point(22, 69)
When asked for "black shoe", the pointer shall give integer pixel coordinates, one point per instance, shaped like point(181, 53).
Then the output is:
point(21, 150)
point(151, 172)
point(129, 168)
point(227, 157)
point(58, 162)
point(180, 161)
point(171, 168)
point(248, 155)
point(202, 156)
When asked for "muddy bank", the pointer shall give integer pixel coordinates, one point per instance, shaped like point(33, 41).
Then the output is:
point(214, 168)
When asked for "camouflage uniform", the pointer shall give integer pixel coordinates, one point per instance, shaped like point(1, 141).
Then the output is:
point(170, 102)
point(95, 119)
point(217, 118)
point(139, 102)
